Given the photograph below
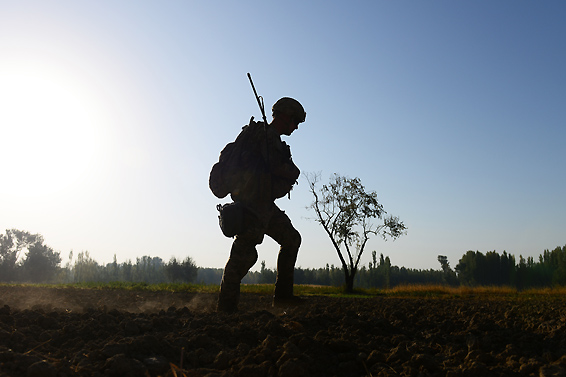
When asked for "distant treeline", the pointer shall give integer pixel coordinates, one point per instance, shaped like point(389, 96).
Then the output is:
point(152, 270)
point(41, 264)
point(475, 268)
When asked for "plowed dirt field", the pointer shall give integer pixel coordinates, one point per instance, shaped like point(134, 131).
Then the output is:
point(51, 332)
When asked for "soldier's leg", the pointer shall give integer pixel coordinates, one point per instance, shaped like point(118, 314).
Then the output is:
point(283, 232)
point(243, 256)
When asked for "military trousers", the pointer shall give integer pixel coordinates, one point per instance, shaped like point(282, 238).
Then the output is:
point(243, 255)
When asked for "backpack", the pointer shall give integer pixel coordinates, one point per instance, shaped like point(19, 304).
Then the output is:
point(217, 181)
point(225, 175)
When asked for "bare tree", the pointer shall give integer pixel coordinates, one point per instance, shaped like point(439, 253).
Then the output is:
point(345, 210)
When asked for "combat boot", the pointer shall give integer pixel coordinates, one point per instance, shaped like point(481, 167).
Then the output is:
point(226, 305)
point(283, 295)
point(228, 299)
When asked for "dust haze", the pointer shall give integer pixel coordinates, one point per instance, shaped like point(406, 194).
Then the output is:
point(81, 300)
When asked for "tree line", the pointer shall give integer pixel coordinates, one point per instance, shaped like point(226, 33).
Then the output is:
point(41, 264)
point(476, 268)
point(473, 269)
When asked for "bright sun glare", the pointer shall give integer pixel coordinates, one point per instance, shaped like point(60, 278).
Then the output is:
point(49, 136)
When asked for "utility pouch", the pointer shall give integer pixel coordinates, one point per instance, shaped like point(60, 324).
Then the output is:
point(231, 218)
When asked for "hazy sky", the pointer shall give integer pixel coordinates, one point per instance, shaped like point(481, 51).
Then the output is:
point(113, 112)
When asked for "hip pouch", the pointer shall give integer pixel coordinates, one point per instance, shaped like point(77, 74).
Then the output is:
point(231, 218)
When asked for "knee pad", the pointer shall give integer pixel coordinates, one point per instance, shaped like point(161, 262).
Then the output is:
point(244, 255)
point(293, 241)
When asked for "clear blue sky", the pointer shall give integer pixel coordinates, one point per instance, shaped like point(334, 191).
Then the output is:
point(113, 112)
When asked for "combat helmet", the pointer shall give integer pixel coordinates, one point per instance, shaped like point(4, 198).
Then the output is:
point(290, 106)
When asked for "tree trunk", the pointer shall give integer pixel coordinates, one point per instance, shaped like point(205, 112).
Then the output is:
point(349, 277)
